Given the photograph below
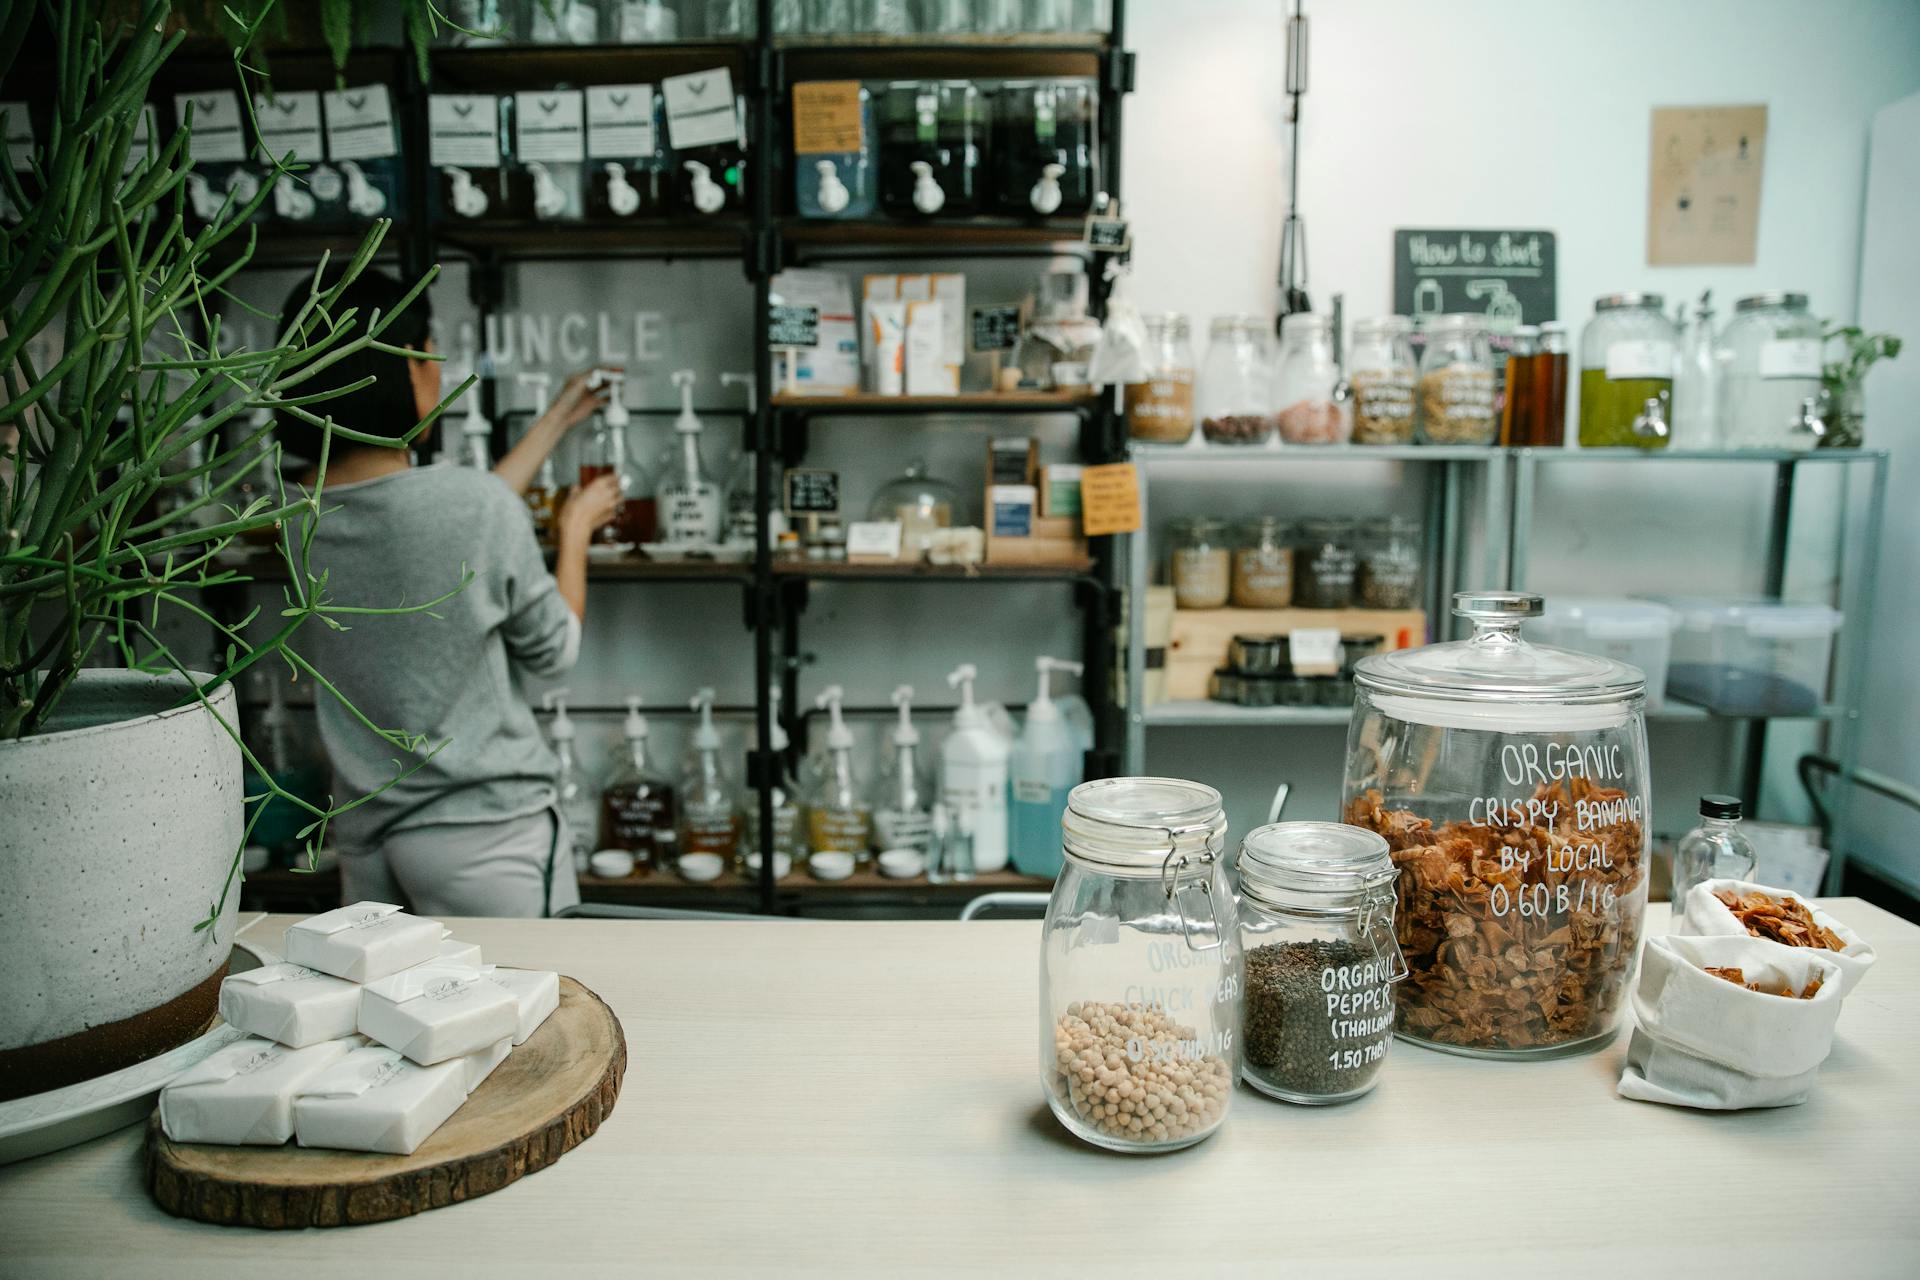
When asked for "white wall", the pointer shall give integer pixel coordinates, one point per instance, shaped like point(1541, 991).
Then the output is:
point(1524, 114)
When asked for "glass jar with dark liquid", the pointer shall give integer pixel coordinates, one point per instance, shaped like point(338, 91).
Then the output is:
point(1044, 147)
point(636, 519)
point(931, 133)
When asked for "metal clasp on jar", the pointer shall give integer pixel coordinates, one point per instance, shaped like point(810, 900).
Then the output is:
point(1375, 927)
point(1172, 869)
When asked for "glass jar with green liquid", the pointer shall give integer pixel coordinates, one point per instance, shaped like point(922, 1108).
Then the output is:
point(1627, 354)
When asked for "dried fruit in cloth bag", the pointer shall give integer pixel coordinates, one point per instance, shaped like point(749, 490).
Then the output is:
point(1783, 920)
point(1738, 977)
point(1517, 935)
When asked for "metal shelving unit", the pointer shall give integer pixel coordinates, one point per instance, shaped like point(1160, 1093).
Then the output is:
point(1509, 483)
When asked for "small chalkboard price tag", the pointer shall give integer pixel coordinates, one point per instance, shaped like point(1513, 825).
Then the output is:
point(1107, 230)
point(996, 328)
point(812, 491)
point(790, 326)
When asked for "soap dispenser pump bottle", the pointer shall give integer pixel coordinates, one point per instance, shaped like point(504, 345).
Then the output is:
point(973, 775)
point(1046, 765)
point(902, 813)
point(786, 803)
point(637, 810)
point(838, 820)
point(606, 454)
point(578, 805)
point(689, 498)
point(709, 814)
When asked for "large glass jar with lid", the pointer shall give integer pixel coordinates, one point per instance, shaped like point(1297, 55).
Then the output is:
point(1324, 563)
point(1627, 356)
point(1045, 143)
point(1389, 563)
point(1140, 968)
point(1510, 782)
point(1455, 391)
point(1235, 382)
point(1772, 350)
point(1317, 940)
point(922, 504)
point(1159, 407)
point(1263, 564)
point(1380, 373)
point(931, 135)
point(1306, 399)
point(1201, 571)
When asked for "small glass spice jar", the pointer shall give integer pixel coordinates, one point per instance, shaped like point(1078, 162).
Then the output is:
point(1235, 382)
point(1263, 565)
point(1389, 573)
point(1140, 968)
point(1159, 407)
point(1324, 563)
point(1455, 390)
point(1381, 372)
point(1305, 381)
point(1316, 929)
point(1201, 571)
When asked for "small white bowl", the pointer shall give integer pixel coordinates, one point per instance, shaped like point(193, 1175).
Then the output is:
point(782, 864)
point(701, 867)
point(830, 866)
point(902, 864)
point(612, 864)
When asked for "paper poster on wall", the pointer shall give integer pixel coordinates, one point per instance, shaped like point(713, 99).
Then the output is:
point(1703, 185)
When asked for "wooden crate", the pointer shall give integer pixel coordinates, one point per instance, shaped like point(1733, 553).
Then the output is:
point(1202, 637)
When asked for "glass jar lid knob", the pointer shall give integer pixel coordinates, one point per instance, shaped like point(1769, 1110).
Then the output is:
point(1497, 606)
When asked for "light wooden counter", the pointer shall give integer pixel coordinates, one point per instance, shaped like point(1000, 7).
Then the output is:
point(835, 1097)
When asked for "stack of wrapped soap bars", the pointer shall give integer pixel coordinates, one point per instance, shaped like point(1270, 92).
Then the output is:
point(368, 1037)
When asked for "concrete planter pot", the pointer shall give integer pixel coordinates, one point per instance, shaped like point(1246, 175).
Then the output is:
point(117, 829)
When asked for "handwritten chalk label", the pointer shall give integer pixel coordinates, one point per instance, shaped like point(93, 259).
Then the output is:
point(812, 491)
point(1507, 275)
point(996, 328)
point(1110, 499)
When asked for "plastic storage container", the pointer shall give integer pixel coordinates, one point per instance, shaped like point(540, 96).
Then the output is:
point(1751, 657)
point(1140, 971)
point(1636, 632)
point(1510, 782)
point(1316, 936)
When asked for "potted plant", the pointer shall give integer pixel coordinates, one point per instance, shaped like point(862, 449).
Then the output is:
point(1844, 381)
point(129, 423)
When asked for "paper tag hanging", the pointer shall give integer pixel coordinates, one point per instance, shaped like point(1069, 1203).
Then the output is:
point(360, 123)
point(550, 126)
point(217, 134)
point(463, 130)
point(700, 109)
point(289, 122)
point(620, 120)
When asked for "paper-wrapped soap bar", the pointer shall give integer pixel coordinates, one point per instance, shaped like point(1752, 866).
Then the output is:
point(375, 1100)
point(481, 1062)
point(437, 1011)
point(364, 942)
point(290, 1003)
point(535, 995)
point(243, 1094)
point(453, 951)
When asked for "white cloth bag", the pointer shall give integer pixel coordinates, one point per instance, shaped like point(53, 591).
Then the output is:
point(1705, 1042)
point(1708, 915)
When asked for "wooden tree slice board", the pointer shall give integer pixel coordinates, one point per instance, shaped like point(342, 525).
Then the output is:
point(548, 1097)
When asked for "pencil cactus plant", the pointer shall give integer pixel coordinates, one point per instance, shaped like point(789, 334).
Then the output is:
point(130, 421)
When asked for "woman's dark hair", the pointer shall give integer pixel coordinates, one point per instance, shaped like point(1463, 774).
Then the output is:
point(385, 406)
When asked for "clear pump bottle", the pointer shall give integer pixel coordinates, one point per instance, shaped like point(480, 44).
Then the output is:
point(637, 809)
point(690, 506)
point(786, 805)
point(709, 812)
point(1716, 849)
point(838, 819)
point(973, 776)
point(1046, 766)
point(579, 806)
point(902, 818)
point(635, 518)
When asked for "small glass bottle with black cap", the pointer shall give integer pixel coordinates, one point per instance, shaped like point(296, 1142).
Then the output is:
point(1715, 850)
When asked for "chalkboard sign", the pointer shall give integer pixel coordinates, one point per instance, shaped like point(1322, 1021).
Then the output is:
point(1108, 235)
point(812, 492)
point(1504, 274)
point(791, 326)
point(996, 328)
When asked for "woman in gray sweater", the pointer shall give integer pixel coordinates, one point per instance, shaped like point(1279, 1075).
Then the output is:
point(475, 829)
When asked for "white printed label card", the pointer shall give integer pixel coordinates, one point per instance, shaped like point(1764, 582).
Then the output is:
point(463, 130)
point(550, 126)
point(218, 132)
point(700, 110)
point(289, 122)
point(360, 123)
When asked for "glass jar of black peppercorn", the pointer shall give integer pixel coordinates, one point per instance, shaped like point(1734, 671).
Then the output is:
point(1316, 928)
point(1324, 563)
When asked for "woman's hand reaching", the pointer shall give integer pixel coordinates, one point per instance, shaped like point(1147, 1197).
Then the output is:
point(576, 403)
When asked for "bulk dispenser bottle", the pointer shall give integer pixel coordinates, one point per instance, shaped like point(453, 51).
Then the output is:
point(838, 819)
point(931, 134)
point(1510, 782)
point(709, 814)
point(636, 518)
point(578, 804)
point(786, 804)
point(690, 506)
point(902, 818)
point(636, 810)
point(712, 179)
point(1045, 766)
point(973, 775)
point(1044, 144)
